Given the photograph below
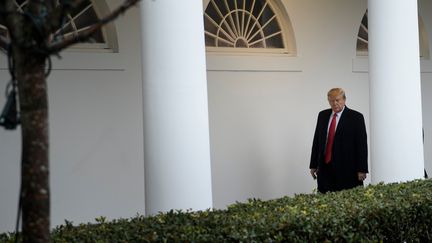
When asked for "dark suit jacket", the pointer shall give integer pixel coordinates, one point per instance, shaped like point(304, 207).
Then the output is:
point(350, 152)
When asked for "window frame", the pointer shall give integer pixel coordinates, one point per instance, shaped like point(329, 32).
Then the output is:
point(284, 22)
point(108, 32)
point(423, 40)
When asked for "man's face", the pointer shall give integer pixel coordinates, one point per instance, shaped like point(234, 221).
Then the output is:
point(336, 102)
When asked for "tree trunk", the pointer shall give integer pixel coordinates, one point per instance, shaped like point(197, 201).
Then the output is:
point(31, 29)
point(35, 195)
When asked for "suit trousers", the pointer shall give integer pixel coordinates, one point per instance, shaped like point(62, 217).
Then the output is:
point(330, 179)
point(327, 178)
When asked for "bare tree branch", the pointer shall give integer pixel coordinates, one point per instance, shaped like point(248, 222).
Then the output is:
point(58, 14)
point(57, 46)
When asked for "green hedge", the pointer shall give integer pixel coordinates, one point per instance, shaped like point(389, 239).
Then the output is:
point(390, 213)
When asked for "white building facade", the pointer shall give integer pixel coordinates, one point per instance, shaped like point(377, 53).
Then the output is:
point(159, 121)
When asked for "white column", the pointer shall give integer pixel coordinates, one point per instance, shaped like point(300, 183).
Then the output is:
point(176, 129)
point(395, 93)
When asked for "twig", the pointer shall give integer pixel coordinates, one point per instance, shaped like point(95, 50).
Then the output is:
point(58, 14)
point(58, 45)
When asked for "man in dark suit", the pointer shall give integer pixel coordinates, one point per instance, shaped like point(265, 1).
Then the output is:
point(339, 150)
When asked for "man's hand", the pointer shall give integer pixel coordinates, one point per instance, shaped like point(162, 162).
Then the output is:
point(361, 176)
point(313, 172)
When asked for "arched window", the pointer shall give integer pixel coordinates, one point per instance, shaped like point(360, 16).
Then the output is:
point(248, 26)
point(85, 15)
point(362, 38)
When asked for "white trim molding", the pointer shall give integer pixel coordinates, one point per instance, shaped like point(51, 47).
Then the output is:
point(360, 65)
point(255, 63)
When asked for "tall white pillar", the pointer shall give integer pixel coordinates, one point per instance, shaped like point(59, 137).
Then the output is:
point(395, 93)
point(176, 126)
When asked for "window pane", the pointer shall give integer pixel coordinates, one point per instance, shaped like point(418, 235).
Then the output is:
point(242, 24)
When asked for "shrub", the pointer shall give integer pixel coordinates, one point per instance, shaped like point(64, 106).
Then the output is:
point(398, 212)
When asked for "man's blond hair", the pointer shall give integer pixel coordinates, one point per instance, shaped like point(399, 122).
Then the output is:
point(336, 92)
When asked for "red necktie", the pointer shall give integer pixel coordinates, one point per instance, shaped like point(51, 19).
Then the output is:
point(330, 138)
